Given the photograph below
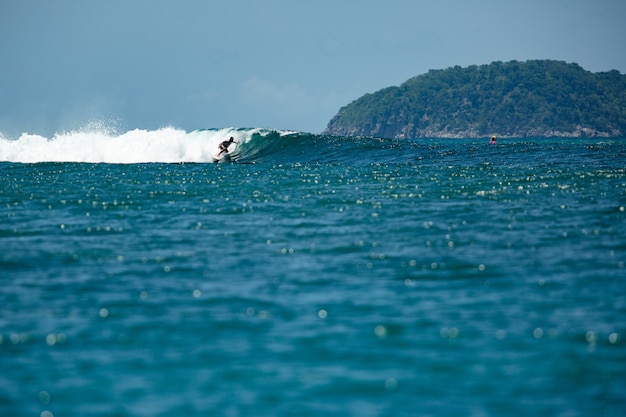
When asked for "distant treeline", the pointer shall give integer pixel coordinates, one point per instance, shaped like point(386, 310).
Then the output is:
point(514, 99)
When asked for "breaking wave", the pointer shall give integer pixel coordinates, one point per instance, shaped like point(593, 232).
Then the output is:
point(172, 145)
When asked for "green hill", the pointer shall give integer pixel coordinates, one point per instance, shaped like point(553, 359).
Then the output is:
point(512, 99)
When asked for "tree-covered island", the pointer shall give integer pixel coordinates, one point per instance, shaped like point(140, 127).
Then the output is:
point(507, 99)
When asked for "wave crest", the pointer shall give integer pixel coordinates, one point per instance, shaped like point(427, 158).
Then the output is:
point(102, 145)
point(173, 145)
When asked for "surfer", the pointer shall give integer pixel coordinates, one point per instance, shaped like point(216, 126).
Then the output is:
point(492, 141)
point(224, 146)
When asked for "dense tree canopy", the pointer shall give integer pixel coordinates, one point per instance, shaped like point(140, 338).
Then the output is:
point(519, 99)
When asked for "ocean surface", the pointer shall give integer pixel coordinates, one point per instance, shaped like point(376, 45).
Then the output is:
point(314, 276)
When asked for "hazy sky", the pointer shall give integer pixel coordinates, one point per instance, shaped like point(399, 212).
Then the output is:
point(284, 64)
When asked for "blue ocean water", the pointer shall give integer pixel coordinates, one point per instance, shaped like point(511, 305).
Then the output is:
point(316, 275)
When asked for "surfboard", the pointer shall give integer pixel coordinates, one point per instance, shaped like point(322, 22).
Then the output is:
point(225, 157)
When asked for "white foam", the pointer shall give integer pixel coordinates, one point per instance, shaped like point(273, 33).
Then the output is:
point(167, 145)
